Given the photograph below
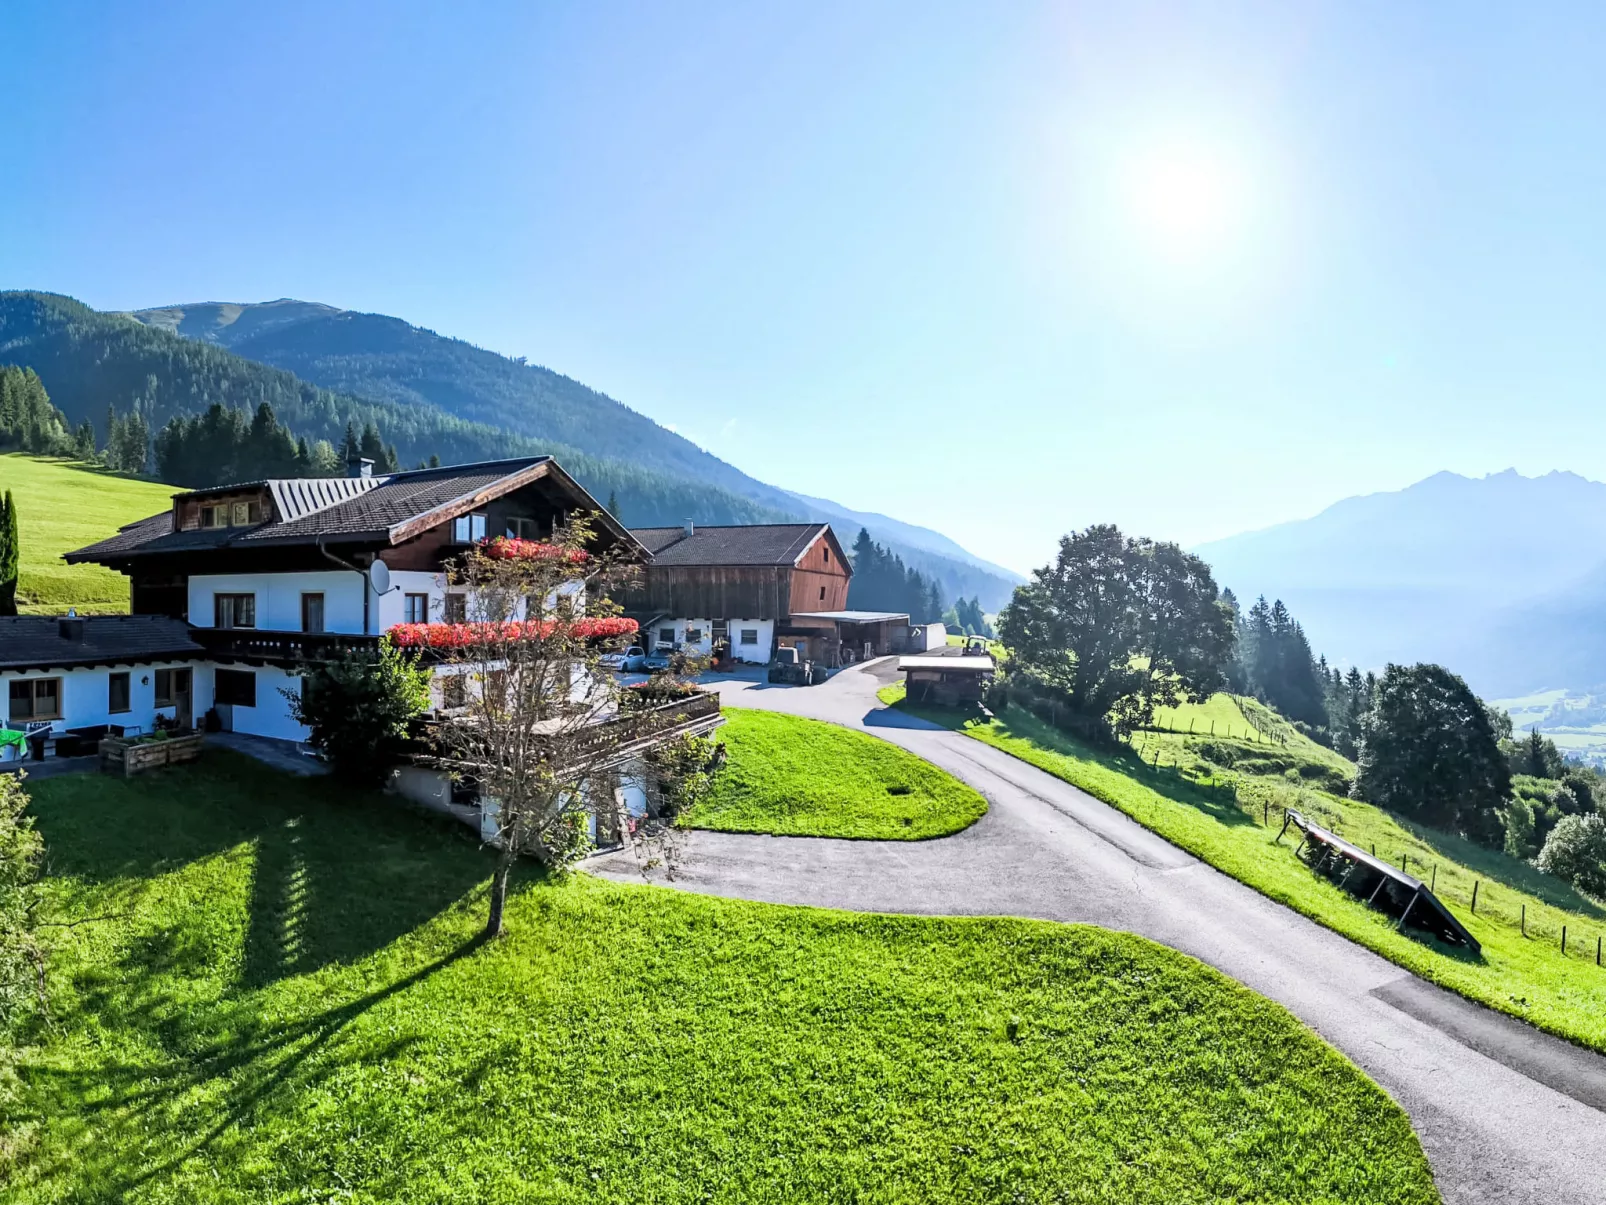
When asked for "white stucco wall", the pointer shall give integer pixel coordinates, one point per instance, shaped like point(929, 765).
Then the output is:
point(279, 598)
point(391, 607)
point(757, 653)
point(85, 693)
point(271, 715)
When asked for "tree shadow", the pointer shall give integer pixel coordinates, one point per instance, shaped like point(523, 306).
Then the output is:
point(336, 873)
point(1500, 867)
point(1218, 800)
point(254, 1062)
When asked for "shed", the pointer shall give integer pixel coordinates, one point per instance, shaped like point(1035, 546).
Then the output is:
point(947, 681)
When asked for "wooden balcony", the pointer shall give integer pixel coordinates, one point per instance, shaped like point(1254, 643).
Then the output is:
point(251, 646)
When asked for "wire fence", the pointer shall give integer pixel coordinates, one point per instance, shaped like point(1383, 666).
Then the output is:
point(1486, 898)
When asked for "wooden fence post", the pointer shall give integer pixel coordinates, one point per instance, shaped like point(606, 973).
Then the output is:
point(1474, 897)
point(1564, 939)
point(1435, 884)
point(1525, 920)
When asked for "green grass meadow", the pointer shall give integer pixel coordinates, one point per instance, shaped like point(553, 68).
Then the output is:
point(272, 991)
point(1222, 817)
point(794, 777)
point(62, 506)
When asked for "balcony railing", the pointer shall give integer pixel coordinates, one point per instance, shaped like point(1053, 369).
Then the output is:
point(280, 648)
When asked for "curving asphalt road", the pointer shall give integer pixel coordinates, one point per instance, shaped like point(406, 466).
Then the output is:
point(1505, 1113)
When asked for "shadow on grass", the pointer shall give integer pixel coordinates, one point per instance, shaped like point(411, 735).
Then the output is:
point(1219, 801)
point(336, 873)
point(229, 1070)
point(1499, 867)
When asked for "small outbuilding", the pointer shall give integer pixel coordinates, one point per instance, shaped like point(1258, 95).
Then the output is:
point(947, 681)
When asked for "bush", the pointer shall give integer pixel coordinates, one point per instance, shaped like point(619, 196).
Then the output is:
point(19, 865)
point(1520, 825)
point(1575, 851)
point(359, 707)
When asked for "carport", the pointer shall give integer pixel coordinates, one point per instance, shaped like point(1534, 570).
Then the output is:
point(836, 638)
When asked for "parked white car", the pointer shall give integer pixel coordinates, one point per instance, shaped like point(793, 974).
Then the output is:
point(632, 660)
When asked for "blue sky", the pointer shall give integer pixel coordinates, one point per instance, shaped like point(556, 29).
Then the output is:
point(1002, 269)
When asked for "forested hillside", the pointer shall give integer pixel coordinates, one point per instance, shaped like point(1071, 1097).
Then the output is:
point(91, 362)
point(386, 359)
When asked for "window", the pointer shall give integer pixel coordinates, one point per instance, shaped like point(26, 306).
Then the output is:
point(234, 610)
point(827, 553)
point(456, 608)
point(468, 529)
point(523, 529)
point(117, 693)
point(170, 684)
point(749, 635)
point(453, 691)
point(415, 608)
point(36, 699)
point(822, 593)
point(209, 517)
point(312, 612)
point(245, 513)
point(666, 635)
point(237, 686)
point(694, 635)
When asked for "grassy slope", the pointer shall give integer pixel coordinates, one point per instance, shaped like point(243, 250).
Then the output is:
point(286, 1003)
point(801, 778)
point(62, 506)
point(1220, 821)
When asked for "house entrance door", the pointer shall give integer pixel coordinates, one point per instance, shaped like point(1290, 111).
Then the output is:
point(183, 706)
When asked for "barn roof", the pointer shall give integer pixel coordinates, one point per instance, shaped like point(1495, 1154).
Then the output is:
point(745, 544)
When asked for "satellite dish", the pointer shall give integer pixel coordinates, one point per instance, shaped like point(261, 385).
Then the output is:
point(379, 577)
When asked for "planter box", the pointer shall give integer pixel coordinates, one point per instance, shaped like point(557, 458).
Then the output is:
point(118, 756)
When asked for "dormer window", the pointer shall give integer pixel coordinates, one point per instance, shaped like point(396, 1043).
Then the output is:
point(468, 529)
point(231, 514)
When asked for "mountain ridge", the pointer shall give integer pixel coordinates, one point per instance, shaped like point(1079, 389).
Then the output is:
point(1494, 576)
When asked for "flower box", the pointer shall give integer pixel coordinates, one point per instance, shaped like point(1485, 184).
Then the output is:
point(130, 756)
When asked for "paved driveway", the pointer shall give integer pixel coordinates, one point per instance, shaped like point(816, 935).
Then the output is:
point(1505, 1113)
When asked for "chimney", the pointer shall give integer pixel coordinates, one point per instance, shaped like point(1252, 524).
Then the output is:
point(690, 529)
point(71, 629)
point(359, 466)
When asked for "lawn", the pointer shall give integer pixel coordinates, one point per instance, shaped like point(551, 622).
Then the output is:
point(284, 1000)
point(802, 778)
point(1220, 817)
point(62, 506)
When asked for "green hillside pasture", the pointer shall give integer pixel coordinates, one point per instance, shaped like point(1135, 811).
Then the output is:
point(62, 506)
point(793, 777)
point(1219, 816)
point(283, 998)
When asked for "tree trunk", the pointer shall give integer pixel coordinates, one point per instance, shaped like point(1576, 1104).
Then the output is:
point(504, 864)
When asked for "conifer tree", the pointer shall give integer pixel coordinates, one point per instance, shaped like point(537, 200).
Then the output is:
point(10, 555)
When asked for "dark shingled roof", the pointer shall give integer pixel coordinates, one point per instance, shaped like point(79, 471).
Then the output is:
point(752, 544)
point(37, 642)
point(310, 510)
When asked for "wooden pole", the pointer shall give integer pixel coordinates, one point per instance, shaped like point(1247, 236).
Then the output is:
point(1564, 939)
point(1435, 884)
point(1597, 951)
point(1474, 897)
point(1525, 920)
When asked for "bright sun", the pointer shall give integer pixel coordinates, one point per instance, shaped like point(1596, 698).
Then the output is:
point(1187, 198)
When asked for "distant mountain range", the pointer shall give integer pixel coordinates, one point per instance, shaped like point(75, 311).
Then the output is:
point(382, 358)
point(321, 367)
point(1502, 578)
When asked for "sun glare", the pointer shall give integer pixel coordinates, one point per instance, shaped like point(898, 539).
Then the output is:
point(1187, 199)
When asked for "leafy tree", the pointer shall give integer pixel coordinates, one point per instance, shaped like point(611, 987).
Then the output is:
point(1521, 825)
point(545, 727)
point(1429, 752)
point(1117, 626)
point(358, 707)
point(10, 555)
point(20, 849)
point(1575, 852)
